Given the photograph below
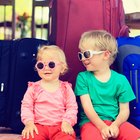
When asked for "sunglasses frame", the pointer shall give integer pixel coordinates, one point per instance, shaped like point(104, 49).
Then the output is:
point(44, 65)
point(90, 52)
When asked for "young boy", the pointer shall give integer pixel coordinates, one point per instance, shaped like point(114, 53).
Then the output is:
point(104, 94)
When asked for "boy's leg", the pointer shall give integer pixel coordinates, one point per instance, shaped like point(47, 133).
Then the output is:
point(90, 132)
point(43, 133)
point(129, 132)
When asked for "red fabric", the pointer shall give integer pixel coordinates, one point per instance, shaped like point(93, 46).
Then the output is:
point(127, 132)
point(51, 132)
point(70, 18)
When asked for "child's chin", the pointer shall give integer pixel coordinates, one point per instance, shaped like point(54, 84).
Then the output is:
point(88, 69)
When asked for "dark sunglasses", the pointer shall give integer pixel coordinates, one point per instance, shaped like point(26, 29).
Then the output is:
point(41, 65)
point(88, 54)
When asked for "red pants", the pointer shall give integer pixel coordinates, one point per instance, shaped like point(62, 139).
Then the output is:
point(126, 132)
point(51, 133)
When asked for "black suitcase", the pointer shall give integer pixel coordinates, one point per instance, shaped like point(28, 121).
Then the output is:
point(5, 49)
point(21, 70)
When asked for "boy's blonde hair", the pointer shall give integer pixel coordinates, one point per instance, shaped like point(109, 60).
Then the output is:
point(59, 52)
point(100, 40)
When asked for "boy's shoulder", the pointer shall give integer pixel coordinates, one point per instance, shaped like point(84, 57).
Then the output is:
point(118, 75)
point(85, 73)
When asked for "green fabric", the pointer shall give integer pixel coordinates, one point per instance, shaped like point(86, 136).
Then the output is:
point(105, 96)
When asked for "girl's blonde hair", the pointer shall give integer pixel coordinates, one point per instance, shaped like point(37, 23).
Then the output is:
point(59, 52)
point(100, 40)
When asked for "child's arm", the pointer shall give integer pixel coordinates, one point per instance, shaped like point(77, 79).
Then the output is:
point(29, 129)
point(70, 116)
point(93, 117)
point(67, 128)
point(27, 106)
point(27, 115)
point(122, 117)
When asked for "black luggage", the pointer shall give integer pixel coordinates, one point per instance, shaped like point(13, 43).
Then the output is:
point(5, 56)
point(20, 70)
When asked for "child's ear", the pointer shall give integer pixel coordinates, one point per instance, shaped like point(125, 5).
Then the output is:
point(63, 69)
point(107, 54)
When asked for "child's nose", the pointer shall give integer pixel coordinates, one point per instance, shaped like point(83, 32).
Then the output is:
point(83, 58)
point(46, 67)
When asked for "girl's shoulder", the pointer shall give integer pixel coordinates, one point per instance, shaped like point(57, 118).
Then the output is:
point(33, 84)
point(66, 84)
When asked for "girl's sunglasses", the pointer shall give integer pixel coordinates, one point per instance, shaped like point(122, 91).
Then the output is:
point(88, 54)
point(41, 65)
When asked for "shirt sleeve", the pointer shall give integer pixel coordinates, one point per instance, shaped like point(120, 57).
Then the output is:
point(70, 115)
point(81, 86)
point(126, 93)
point(27, 105)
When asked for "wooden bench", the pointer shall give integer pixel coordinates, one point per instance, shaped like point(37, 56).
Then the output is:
point(10, 136)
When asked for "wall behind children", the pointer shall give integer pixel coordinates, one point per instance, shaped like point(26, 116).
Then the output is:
point(22, 6)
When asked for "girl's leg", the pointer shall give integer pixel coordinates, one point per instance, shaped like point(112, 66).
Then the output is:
point(43, 133)
point(56, 134)
point(128, 132)
point(90, 132)
point(64, 136)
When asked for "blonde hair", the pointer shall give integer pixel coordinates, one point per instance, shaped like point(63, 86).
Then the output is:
point(100, 40)
point(60, 54)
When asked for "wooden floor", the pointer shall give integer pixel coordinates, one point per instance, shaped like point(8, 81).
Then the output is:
point(10, 137)
point(5, 134)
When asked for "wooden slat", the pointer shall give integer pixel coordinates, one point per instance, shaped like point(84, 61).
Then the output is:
point(43, 3)
point(133, 20)
point(3, 23)
point(5, 2)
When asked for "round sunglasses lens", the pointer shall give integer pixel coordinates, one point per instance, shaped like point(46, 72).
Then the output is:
point(40, 65)
point(80, 56)
point(87, 54)
point(51, 65)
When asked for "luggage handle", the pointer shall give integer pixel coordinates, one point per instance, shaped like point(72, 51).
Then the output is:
point(2, 87)
point(137, 36)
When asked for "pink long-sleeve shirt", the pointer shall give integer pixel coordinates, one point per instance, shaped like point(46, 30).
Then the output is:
point(47, 108)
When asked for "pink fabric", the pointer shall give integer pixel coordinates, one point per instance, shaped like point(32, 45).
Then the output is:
point(47, 108)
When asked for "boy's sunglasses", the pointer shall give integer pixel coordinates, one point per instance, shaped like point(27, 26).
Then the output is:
point(88, 54)
point(41, 65)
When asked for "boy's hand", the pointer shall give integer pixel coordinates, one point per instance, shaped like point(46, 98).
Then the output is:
point(29, 130)
point(67, 128)
point(114, 130)
point(105, 132)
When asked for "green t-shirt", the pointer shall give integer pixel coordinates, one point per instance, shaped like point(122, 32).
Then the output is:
point(105, 96)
